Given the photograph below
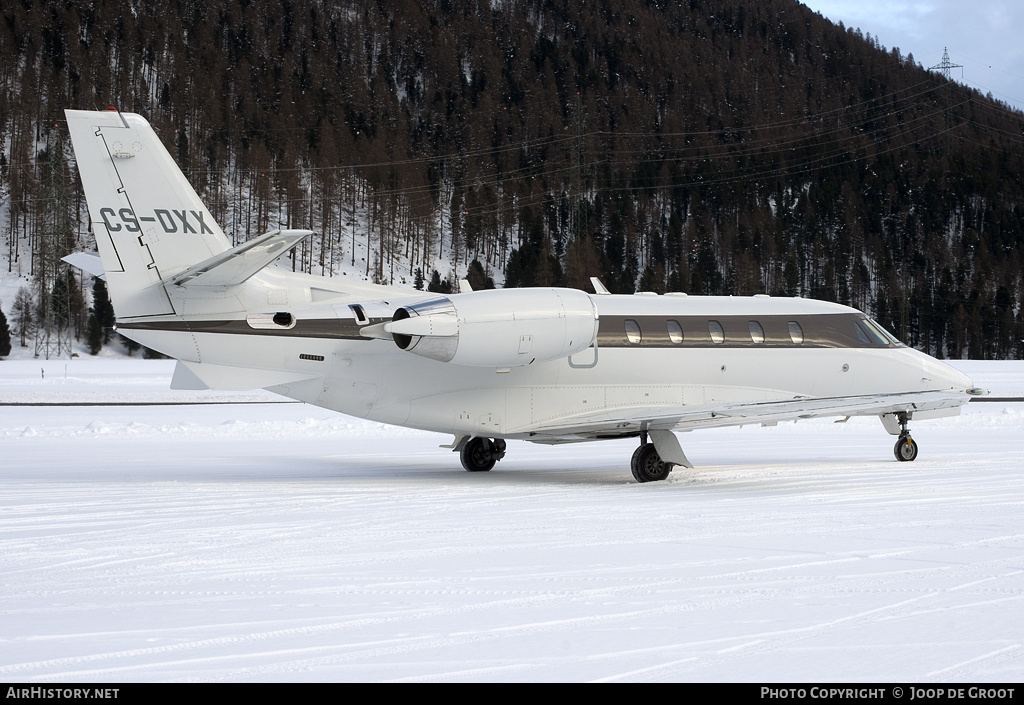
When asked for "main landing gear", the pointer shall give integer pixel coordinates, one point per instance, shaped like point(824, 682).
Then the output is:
point(647, 465)
point(480, 454)
point(905, 449)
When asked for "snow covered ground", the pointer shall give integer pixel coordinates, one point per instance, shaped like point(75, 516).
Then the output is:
point(261, 541)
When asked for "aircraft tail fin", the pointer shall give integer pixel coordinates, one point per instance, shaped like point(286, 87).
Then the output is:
point(149, 222)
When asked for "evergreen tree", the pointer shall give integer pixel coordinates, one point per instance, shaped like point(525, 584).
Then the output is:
point(129, 345)
point(5, 336)
point(94, 335)
point(76, 302)
point(66, 303)
point(714, 146)
point(477, 277)
point(102, 308)
point(439, 285)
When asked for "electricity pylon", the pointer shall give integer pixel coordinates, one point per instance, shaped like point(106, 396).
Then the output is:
point(945, 66)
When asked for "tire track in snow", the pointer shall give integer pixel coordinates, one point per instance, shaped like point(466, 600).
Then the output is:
point(775, 640)
point(968, 670)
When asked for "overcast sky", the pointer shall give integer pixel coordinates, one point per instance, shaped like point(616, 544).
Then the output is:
point(982, 35)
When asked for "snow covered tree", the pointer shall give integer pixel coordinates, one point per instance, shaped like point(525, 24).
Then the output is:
point(438, 285)
point(23, 314)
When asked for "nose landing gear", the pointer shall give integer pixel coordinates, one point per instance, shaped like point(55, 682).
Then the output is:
point(905, 449)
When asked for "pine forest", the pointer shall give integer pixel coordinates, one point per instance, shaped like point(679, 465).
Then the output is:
point(724, 147)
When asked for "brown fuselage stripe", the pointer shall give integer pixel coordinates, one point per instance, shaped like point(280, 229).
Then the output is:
point(328, 328)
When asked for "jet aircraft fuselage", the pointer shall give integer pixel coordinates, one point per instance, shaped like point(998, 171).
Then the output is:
point(547, 365)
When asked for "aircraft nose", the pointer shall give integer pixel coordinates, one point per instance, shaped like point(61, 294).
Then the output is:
point(946, 376)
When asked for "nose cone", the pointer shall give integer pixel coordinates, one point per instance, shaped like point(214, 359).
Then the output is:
point(944, 376)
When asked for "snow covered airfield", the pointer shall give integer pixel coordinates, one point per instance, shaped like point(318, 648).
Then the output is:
point(256, 540)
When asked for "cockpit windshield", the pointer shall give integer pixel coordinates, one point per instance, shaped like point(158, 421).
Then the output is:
point(878, 334)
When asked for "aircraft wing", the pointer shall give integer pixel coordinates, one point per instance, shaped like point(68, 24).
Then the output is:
point(239, 263)
point(624, 420)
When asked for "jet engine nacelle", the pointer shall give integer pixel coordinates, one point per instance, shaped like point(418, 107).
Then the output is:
point(497, 328)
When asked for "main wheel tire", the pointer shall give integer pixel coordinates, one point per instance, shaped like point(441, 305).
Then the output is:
point(647, 465)
point(905, 449)
point(477, 455)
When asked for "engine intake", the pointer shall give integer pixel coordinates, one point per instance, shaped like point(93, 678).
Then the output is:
point(497, 328)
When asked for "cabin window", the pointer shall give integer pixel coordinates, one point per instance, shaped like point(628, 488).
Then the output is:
point(716, 331)
point(675, 332)
point(756, 331)
point(633, 331)
point(796, 333)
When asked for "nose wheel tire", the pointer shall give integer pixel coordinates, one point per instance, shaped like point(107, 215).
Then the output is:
point(906, 449)
point(647, 465)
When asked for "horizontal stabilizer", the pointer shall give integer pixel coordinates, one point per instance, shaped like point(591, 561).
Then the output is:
point(241, 262)
point(87, 261)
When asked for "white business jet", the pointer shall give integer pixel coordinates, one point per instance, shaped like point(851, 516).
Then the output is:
point(546, 365)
